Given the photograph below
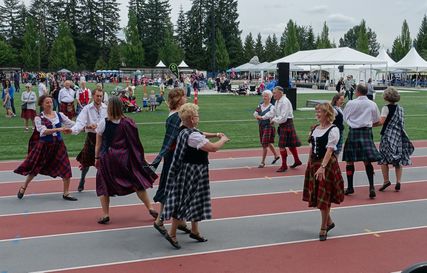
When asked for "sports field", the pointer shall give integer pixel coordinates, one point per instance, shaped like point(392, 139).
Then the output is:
point(226, 113)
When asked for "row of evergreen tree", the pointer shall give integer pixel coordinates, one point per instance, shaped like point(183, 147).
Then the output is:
point(82, 35)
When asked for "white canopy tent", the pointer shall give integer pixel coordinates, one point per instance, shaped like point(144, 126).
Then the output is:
point(161, 65)
point(412, 62)
point(183, 65)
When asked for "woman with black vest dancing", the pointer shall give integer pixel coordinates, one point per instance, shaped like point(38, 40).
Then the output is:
point(337, 103)
point(323, 183)
point(187, 187)
point(47, 153)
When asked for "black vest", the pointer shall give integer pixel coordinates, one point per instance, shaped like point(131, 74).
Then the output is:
point(339, 120)
point(194, 156)
point(318, 151)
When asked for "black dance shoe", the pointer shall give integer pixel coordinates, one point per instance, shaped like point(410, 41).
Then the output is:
point(198, 238)
point(160, 228)
point(349, 191)
point(397, 187)
point(372, 193)
point(68, 197)
point(331, 226)
point(184, 228)
point(172, 241)
point(296, 164)
point(323, 237)
point(21, 192)
point(104, 220)
point(385, 186)
point(81, 186)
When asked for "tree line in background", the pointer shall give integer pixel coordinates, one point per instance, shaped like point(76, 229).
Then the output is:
point(82, 35)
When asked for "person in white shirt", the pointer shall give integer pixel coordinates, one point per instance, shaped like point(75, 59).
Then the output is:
point(361, 115)
point(66, 100)
point(282, 114)
point(42, 90)
point(88, 120)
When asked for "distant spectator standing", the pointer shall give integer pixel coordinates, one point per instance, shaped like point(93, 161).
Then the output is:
point(340, 85)
point(42, 90)
point(16, 81)
point(348, 86)
point(11, 92)
point(54, 92)
point(66, 100)
point(371, 90)
point(28, 99)
point(83, 95)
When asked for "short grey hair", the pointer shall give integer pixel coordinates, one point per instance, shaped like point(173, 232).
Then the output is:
point(268, 92)
point(391, 95)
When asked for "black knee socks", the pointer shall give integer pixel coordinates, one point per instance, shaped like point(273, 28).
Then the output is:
point(350, 172)
point(370, 173)
point(84, 173)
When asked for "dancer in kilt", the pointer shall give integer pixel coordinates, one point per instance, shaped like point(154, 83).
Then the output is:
point(187, 186)
point(323, 183)
point(361, 115)
point(88, 120)
point(176, 98)
point(395, 146)
point(47, 153)
point(120, 161)
point(266, 130)
point(282, 114)
point(337, 103)
point(66, 100)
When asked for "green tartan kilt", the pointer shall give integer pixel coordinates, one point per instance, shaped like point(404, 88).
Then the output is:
point(360, 146)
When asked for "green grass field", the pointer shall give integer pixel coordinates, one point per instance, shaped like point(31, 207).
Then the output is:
point(218, 113)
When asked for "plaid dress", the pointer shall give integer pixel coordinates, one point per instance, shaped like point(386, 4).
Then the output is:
point(267, 132)
point(187, 187)
point(360, 146)
point(287, 135)
point(46, 155)
point(86, 157)
point(395, 146)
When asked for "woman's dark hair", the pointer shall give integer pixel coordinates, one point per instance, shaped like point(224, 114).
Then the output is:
point(336, 98)
point(7, 83)
point(42, 98)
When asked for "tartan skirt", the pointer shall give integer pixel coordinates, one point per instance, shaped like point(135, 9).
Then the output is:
point(287, 135)
point(47, 158)
point(68, 109)
point(266, 135)
point(86, 157)
point(28, 114)
point(360, 146)
point(188, 195)
point(322, 194)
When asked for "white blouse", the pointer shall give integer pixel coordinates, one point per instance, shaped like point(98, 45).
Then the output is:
point(197, 140)
point(333, 138)
point(101, 125)
point(263, 108)
point(55, 120)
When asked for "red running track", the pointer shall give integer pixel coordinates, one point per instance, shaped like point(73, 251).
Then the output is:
point(224, 154)
point(356, 254)
point(215, 175)
point(39, 224)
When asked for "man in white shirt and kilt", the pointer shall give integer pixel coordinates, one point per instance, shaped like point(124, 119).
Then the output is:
point(361, 115)
point(282, 114)
point(88, 120)
point(66, 100)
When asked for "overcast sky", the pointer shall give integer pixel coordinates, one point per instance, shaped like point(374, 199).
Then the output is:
point(385, 17)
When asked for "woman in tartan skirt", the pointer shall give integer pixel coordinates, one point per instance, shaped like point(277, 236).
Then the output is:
point(395, 146)
point(47, 153)
point(176, 98)
point(187, 187)
point(266, 130)
point(119, 158)
point(323, 183)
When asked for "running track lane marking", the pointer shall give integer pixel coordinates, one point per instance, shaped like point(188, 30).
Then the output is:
point(215, 220)
point(228, 250)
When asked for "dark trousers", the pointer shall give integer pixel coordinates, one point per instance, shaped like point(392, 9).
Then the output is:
point(12, 103)
point(371, 97)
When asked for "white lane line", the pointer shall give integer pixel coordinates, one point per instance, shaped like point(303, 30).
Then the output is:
point(215, 220)
point(229, 250)
point(213, 180)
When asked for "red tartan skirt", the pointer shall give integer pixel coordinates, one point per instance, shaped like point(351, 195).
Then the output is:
point(47, 158)
point(287, 135)
point(87, 155)
point(68, 109)
point(322, 193)
point(266, 135)
point(28, 114)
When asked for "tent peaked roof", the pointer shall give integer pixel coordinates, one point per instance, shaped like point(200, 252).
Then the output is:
point(160, 64)
point(383, 56)
point(183, 65)
point(329, 56)
point(254, 60)
point(412, 61)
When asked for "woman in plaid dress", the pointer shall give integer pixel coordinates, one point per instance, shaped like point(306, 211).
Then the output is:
point(187, 187)
point(119, 158)
point(47, 153)
point(176, 98)
point(323, 183)
point(395, 146)
point(266, 130)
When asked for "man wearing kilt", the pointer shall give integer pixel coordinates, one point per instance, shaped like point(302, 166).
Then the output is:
point(266, 130)
point(47, 153)
point(361, 115)
point(87, 120)
point(282, 114)
point(66, 100)
point(323, 183)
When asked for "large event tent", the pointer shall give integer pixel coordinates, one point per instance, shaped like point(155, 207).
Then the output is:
point(161, 65)
point(412, 62)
